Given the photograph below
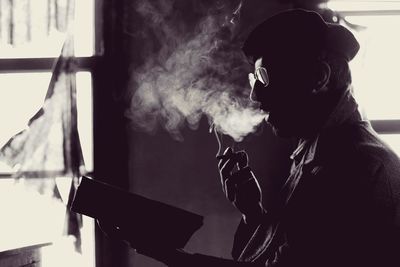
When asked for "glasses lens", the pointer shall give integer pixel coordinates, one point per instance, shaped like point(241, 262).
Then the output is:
point(262, 75)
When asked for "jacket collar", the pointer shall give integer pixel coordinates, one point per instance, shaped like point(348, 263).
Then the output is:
point(346, 111)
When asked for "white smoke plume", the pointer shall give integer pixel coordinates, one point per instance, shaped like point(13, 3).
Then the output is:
point(189, 72)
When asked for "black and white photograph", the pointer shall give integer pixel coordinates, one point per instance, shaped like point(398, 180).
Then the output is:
point(200, 133)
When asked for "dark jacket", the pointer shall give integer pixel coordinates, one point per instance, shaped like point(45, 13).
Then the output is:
point(339, 207)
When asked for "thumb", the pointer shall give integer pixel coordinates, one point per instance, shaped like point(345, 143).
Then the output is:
point(230, 189)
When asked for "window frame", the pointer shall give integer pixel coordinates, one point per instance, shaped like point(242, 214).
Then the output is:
point(46, 64)
point(13, 65)
point(386, 126)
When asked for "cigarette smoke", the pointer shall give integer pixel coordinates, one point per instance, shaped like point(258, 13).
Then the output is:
point(191, 70)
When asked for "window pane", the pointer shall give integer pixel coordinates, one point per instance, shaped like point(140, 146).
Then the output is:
point(33, 218)
point(37, 28)
point(85, 111)
point(27, 219)
point(376, 68)
point(22, 95)
point(393, 140)
point(84, 32)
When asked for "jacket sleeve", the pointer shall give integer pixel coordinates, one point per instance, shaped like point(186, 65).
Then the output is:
point(242, 236)
point(386, 195)
point(245, 231)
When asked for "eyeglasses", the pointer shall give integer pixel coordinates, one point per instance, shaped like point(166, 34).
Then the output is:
point(261, 75)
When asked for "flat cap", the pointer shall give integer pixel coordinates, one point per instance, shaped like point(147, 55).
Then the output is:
point(299, 33)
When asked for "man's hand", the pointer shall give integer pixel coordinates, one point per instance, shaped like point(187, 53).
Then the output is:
point(239, 183)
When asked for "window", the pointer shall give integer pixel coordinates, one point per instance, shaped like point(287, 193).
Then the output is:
point(376, 68)
point(31, 37)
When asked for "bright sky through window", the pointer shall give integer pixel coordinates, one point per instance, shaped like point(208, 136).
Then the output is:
point(22, 95)
point(376, 69)
point(36, 29)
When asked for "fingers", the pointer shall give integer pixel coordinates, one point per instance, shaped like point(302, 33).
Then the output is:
point(239, 184)
point(242, 159)
point(226, 165)
point(242, 175)
point(224, 157)
point(248, 191)
point(227, 162)
point(232, 185)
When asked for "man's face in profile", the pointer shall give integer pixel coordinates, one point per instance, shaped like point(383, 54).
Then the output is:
point(283, 90)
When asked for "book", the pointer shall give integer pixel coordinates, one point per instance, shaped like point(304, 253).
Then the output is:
point(144, 221)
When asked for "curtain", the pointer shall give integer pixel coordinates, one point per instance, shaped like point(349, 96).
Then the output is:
point(49, 147)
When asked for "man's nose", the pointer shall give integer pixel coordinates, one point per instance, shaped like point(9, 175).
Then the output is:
point(256, 91)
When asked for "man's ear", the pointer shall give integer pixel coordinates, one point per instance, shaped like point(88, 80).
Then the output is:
point(322, 76)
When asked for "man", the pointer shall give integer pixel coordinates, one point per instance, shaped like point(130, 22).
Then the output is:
point(340, 204)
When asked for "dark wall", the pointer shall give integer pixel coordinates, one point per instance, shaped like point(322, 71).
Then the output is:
point(110, 136)
point(181, 173)
point(184, 173)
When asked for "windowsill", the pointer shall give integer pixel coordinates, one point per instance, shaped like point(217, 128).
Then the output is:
point(17, 248)
point(26, 255)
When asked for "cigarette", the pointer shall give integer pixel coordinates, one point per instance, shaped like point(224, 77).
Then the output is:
point(213, 128)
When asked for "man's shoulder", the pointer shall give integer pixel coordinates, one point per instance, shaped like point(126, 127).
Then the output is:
point(358, 143)
point(357, 156)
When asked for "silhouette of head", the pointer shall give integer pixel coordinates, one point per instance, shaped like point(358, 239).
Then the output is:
point(300, 69)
